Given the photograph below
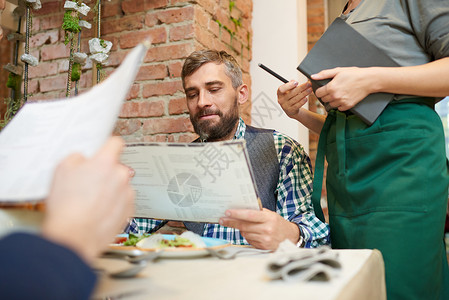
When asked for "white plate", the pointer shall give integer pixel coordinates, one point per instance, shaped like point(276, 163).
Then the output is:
point(181, 252)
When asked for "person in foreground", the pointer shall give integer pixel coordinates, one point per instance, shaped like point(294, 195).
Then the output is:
point(214, 89)
point(387, 184)
point(55, 264)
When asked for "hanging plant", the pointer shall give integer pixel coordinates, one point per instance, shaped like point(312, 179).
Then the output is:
point(76, 72)
point(12, 107)
point(71, 24)
point(99, 50)
point(14, 82)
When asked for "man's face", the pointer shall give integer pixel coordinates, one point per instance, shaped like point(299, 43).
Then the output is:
point(212, 102)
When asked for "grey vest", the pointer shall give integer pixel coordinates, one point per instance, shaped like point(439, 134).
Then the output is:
point(265, 166)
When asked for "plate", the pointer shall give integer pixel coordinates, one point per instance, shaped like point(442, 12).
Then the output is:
point(181, 252)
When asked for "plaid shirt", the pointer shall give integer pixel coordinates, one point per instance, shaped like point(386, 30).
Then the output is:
point(294, 192)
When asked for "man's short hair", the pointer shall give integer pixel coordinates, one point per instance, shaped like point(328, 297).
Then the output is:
point(201, 57)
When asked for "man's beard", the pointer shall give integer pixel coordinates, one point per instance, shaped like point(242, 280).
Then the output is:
point(208, 131)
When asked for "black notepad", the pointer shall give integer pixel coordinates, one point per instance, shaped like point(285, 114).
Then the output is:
point(342, 46)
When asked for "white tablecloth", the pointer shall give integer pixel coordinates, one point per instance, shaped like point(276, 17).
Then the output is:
point(362, 277)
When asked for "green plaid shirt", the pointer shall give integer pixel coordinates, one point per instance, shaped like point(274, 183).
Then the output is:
point(294, 192)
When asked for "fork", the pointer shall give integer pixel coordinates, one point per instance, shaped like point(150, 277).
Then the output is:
point(138, 263)
point(232, 252)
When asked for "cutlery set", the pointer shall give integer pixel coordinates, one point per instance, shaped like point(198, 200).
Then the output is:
point(138, 259)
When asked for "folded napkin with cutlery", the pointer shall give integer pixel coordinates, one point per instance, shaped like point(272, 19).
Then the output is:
point(291, 263)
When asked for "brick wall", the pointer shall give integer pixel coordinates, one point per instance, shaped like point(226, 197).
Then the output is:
point(315, 28)
point(316, 25)
point(155, 109)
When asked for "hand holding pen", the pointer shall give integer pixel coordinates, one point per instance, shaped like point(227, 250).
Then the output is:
point(291, 95)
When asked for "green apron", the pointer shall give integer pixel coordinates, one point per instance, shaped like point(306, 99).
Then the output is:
point(387, 188)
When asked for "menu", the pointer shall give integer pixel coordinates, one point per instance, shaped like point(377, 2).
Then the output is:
point(191, 181)
point(44, 133)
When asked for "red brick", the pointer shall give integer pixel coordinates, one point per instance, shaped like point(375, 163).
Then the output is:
point(237, 46)
point(63, 66)
point(53, 84)
point(182, 32)
point(111, 9)
point(33, 86)
point(87, 33)
point(48, 37)
point(206, 38)
point(224, 4)
point(159, 138)
point(187, 137)
point(182, 2)
point(152, 4)
point(214, 27)
point(49, 8)
point(35, 53)
point(209, 5)
point(315, 19)
point(43, 69)
point(177, 106)
point(152, 72)
point(151, 19)
point(157, 35)
point(161, 88)
point(123, 24)
point(225, 36)
point(174, 69)
point(142, 109)
point(133, 92)
point(86, 79)
point(116, 58)
point(47, 96)
point(132, 6)
point(223, 17)
point(245, 7)
point(50, 22)
point(162, 53)
point(169, 125)
point(175, 15)
point(36, 24)
point(244, 65)
point(127, 127)
point(55, 51)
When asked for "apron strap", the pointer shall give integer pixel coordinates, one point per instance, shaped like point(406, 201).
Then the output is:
point(319, 167)
point(341, 142)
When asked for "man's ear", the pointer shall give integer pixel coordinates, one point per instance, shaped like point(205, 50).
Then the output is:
point(243, 93)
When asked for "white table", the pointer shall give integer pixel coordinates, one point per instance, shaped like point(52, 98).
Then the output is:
point(362, 277)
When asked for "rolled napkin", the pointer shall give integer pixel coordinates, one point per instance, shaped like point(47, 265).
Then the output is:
point(291, 263)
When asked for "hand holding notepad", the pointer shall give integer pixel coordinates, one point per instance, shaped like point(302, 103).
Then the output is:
point(342, 46)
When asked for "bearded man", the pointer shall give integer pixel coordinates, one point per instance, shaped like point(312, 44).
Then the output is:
point(214, 89)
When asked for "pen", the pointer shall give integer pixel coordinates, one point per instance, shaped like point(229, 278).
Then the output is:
point(273, 73)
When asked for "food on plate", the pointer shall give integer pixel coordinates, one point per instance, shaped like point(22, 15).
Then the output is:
point(134, 239)
point(128, 239)
point(120, 239)
point(187, 239)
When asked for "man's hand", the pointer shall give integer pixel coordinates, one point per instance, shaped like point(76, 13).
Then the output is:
point(89, 201)
point(263, 229)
